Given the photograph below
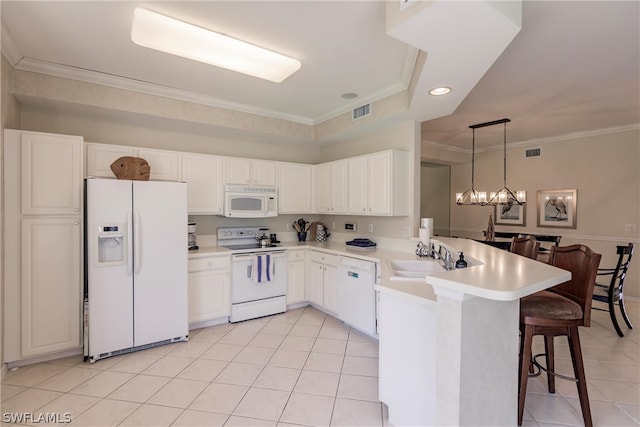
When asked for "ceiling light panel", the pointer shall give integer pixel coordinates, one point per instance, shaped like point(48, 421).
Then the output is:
point(160, 32)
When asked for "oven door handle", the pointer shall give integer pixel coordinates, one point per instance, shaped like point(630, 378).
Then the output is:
point(244, 257)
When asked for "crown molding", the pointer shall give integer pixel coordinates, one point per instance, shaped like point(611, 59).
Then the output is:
point(538, 141)
point(118, 82)
point(9, 48)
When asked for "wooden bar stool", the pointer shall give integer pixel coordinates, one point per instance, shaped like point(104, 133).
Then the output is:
point(526, 246)
point(559, 311)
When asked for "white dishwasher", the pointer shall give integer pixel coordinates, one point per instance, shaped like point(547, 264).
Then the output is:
point(356, 293)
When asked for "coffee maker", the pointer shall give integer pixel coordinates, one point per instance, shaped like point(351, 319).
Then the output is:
point(191, 241)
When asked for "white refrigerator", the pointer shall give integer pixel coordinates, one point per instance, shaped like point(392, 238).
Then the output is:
point(136, 287)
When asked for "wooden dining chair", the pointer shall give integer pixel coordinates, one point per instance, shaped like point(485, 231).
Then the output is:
point(559, 311)
point(612, 292)
point(526, 246)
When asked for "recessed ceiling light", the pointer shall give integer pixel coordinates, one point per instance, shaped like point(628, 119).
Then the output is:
point(349, 95)
point(438, 91)
point(169, 35)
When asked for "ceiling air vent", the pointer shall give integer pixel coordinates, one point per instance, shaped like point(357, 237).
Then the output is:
point(533, 152)
point(361, 112)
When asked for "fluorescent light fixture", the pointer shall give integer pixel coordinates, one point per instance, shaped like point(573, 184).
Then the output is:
point(169, 35)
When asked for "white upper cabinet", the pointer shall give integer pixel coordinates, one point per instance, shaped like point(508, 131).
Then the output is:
point(249, 171)
point(331, 187)
point(51, 177)
point(388, 183)
point(203, 175)
point(101, 156)
point(295, 185)
point(357, 190)
point(164, 164)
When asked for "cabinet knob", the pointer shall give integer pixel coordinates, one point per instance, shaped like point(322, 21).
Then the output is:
point(76, 210)
point(76, 223)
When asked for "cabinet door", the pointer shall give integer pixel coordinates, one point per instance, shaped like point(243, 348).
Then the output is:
point(330, 288)
point(315, 283)
point(339, 187)
point(51, 284)
point(165, 165)
point(203, 175)
point(51, 174)
point(294, 188)
point(263, 172)
point(379, 183)
point(295, 290)
point(323, 188)
point(101, 156)
point(237, 171)
point(357, 185)
point(208, 295)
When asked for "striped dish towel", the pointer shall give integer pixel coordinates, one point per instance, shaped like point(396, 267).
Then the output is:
point(262, 269)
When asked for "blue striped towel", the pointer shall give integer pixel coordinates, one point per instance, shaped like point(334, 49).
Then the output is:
point(262, 269)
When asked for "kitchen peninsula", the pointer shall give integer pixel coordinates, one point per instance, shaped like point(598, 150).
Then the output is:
point(449, 344)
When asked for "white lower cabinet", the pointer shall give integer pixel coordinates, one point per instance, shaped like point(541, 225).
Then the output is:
point(51, 284)
point(321, 281)
point(296, 285)
point(209, 288)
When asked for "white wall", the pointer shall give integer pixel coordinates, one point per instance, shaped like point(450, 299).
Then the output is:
point(434, 196)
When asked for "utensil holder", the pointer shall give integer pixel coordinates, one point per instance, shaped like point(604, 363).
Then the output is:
point(302, 236)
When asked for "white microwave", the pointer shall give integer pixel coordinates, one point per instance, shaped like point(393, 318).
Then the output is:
point(250, 201)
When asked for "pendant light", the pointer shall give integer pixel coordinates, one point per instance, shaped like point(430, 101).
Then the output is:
point(505, 194)
point(472, 197)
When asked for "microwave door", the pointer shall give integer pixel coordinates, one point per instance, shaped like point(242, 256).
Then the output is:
point(245, 206)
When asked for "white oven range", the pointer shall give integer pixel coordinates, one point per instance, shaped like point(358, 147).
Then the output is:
point(258, 274)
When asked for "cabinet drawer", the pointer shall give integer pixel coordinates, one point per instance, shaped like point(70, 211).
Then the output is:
point(323, 258)
point(210, 263)
point(296, 255)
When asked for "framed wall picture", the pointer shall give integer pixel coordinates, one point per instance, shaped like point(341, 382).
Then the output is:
point(510, 213)
point(557, 208)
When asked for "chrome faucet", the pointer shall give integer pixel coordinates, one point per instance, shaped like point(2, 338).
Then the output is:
point(447, 259)
point(423, 250)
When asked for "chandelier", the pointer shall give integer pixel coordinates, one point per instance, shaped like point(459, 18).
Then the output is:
point(472, 197)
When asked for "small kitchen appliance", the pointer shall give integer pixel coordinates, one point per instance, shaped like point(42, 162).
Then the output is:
point(191, 241)
point(250, 201)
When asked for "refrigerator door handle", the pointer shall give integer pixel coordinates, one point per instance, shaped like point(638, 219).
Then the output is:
point(129, 248)
point(137, 242)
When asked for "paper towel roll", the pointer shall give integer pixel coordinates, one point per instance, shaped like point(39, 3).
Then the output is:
point(424, 234)
point(427, 223)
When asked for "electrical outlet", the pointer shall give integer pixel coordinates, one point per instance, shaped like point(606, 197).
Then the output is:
point(333, 225)
point(288, 227)
point(370, 228)
point(406, 231)
point(630, 228)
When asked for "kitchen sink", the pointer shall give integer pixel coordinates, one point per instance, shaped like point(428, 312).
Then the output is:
point(415, 268)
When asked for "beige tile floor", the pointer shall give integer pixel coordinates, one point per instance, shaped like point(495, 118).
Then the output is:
point(298, 368)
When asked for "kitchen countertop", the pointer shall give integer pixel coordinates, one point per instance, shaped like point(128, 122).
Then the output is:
point(503, 276)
